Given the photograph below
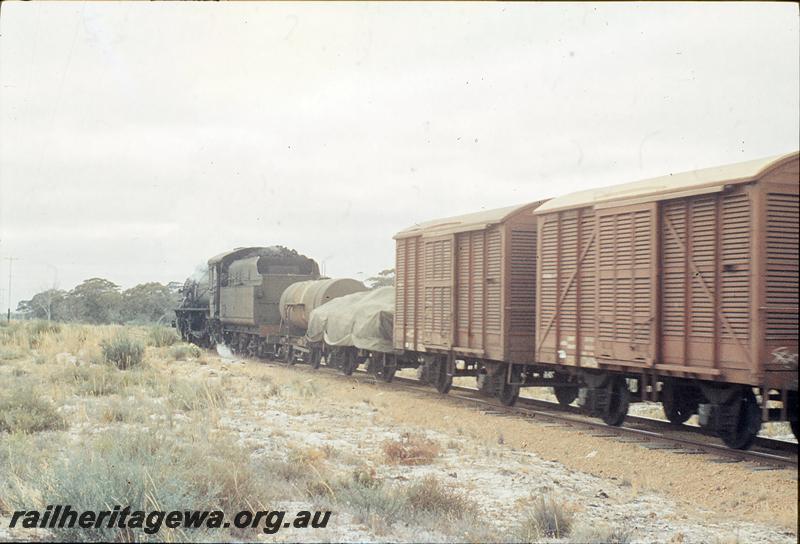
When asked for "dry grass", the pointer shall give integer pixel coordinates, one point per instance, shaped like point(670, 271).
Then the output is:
point(194, 394)
point(181, 352)
point(585, 533)
point(94, 380)
point(146, 457)
point(547, 518)
point(189, 428)
point(307, 389)
point(52, 340)
point(430, 496)
point(411, 449)
point(190, 468)
point(162, 337)
point(24, 409)
point(123, 351)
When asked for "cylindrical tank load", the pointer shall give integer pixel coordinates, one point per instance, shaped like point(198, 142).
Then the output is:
point(299, 299)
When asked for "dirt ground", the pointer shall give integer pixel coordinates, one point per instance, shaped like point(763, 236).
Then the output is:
point(508, 462)
point(496, 469)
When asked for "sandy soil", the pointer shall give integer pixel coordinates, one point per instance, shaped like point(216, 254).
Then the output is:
point(507, 462)
point(503, 464)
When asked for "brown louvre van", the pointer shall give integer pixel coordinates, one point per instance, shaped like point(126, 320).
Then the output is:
point(467, 284)
point(691, 275)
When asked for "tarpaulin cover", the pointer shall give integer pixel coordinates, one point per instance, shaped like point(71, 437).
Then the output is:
point(364, 320)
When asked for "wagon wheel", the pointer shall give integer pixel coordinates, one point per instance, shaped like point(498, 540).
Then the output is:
point(508, 394)
point(740, 420)
point(618, 401)
point(252, 346)
point(349, 363)
point(388, 367)
point(316, 358)
point(443, 380)
point(793, 408)
point(288, 356)
point(374, 365)
point(678, 406)
point(377, 364)
point(565, 394)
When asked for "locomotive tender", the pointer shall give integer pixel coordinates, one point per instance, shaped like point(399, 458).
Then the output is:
point(681, 290)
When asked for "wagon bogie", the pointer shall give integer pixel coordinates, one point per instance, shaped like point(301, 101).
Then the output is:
point(684, 279)
point(437, 370)
point(680, 400)
point(382, 365)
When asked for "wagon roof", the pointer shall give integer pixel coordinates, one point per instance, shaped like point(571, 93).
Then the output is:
point(468, 222)
point(669, 186)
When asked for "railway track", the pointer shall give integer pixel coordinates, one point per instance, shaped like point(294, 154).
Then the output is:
point(761, 443)
point(649, 433)
point(767, 454)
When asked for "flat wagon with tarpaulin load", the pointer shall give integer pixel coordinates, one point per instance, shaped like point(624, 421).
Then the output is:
point(297, 303)
point(682, 288)
point(354, 329)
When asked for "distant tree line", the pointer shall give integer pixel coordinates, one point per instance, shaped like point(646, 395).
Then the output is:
point(385, 278)
point(98, 300)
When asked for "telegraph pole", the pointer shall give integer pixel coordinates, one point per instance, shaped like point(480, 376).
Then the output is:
point(10, 261)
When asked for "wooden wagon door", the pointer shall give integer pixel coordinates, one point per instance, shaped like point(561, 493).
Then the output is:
point(627, 283)
point(438, 331)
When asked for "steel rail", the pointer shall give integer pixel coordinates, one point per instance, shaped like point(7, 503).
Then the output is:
point(666, 438)
point(666, 435)
point(766, 443)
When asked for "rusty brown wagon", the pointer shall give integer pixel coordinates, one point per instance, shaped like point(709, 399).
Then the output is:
point(688, 280)
point(465, 292)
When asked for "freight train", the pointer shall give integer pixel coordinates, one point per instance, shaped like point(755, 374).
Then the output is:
point(681, 290)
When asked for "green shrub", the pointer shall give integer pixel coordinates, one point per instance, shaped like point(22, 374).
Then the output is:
point(160, 337)
point(307, 389)
point(148, 471)
point(368, 501)
point(23, 410)
point(123, 351)
point(179, 352)
point(22, 458)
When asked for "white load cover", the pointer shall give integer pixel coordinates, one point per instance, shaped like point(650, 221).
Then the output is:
point(364, 320)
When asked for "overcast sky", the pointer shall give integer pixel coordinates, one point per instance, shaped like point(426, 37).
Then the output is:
point(139, 139)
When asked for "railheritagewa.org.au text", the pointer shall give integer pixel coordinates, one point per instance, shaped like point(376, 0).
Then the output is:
point(151, 522)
